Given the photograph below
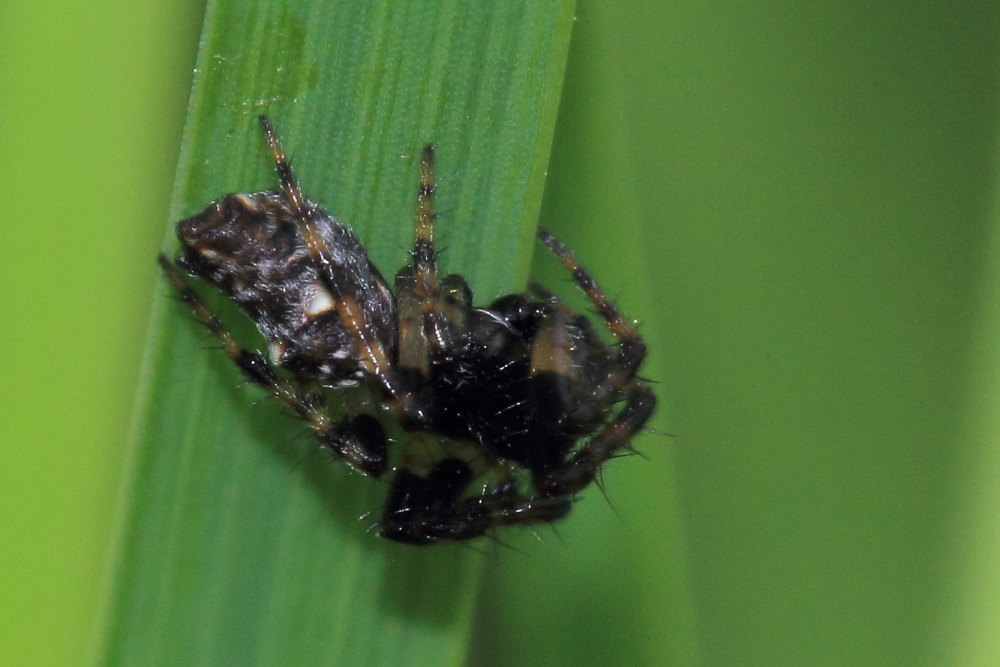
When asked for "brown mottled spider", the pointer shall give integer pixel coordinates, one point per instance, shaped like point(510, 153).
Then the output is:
point(520, 395)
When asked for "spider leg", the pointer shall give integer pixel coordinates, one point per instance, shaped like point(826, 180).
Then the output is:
point(424, 257)
point(418, 281)
point(583, 467)
point(374, 356)
point(552, 364)
point(358, 441)
point(432, 313)
point(424, 509)
point(631, 348)
point(449, 315)
point(433, 505)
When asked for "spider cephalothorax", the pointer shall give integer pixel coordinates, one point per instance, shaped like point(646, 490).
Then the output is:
point(525, 399)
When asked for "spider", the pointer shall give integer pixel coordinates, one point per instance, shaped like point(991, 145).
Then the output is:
point(523, 400)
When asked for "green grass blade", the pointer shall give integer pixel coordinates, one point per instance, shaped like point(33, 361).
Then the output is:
point(238, 545)
point(615, 579)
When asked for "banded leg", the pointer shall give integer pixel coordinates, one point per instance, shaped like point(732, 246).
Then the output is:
point(358, 441)
point(631, 348)
point(374, 357)
point(424, 257)
point(432, 313)
point(583, 467)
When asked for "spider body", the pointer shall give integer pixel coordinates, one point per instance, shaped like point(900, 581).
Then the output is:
point(521, 396)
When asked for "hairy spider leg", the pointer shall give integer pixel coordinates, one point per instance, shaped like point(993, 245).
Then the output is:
point(584, 466)
point(429, 509)
point(424, 257)
point(431, 313)
point(358, 441)
point(631, 348)
point(620, 381)
point(550, 358)
point(374, 357)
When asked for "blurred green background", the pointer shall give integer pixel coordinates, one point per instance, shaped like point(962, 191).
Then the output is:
point(815, 275)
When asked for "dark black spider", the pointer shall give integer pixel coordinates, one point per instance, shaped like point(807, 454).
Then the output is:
point(505, 393)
